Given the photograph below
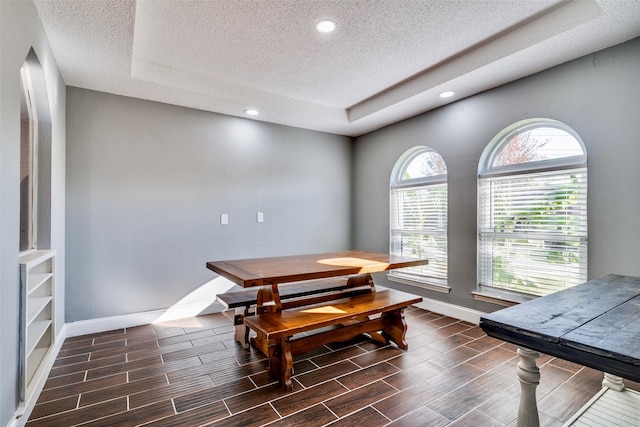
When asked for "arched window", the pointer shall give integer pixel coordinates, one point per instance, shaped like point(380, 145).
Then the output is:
point(532, 209)
point(419, 216)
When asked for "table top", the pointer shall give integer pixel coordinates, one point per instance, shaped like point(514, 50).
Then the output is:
point(266, 271)
point(595, 324)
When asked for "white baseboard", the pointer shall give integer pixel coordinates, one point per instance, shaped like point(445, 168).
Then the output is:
point(40, 377)
point(451, 310)
point(84, 327)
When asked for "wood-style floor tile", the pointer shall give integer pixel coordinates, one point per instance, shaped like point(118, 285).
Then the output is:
point(212, 394)
point(564, 401)
point(454, 357)
point(191, 372)
point(377, 356)
point(365, 417)
point(456, 376)
point(338, 355)
point(476, 418)
point(298, 401)
point(460, 401)
point(359, 398)
point(56, 406)
point(147, 385)
point(413, 375)
point(195, 417)
point(492, 358)
point(423, 416)
point(135, 417)
point(368, 375)
point(89, 365)
point(503, 406)
point(326, 373)
point(81, 415)
point(256, 397)
point(317, 415)
point(253, 418)
point(176, 390)
point(82, 387)
point(408, 400)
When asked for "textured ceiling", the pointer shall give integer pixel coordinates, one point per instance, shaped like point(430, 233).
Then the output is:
point(386, 61)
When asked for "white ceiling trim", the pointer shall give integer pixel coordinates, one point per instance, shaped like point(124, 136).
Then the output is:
point(386, 61)
point(543, 26)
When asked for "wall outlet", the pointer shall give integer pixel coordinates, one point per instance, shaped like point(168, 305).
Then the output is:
point(224, 219)
point(260, 217)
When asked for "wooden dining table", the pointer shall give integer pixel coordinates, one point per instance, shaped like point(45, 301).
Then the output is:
point(267, 273)
point(595, 324)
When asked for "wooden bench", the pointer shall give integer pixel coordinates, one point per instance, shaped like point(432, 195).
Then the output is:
point(295, 294)
point(380, 314)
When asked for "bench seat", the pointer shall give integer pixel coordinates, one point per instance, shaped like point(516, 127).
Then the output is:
point(380, 314)
point(295, 294)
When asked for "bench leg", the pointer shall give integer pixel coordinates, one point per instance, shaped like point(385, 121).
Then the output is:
point(281, 362)
point(275, 368)
point(286, 364)
point(397, 329)
point(242, 332)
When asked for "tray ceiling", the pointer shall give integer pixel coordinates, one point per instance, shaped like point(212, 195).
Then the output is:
point(386, 61)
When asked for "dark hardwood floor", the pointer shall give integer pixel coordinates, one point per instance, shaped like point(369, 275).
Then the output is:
point(190, 373)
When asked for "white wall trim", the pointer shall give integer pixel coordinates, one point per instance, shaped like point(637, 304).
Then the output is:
point(23, 412)
point(92, 326)
point(451, 310)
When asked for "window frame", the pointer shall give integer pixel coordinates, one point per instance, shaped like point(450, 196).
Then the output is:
point(36, 110)
point(398, 183)
point(31, 108)
point(487, 292)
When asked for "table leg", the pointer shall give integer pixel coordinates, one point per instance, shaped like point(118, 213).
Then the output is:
point(268, 299)
point(613, 382)
point(363, 279)
point(529, 376)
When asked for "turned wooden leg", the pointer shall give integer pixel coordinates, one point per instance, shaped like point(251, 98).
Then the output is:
point(613, 382)
point(529, 376)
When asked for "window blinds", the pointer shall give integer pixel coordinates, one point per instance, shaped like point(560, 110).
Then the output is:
point(533, 231)
point(419, 229)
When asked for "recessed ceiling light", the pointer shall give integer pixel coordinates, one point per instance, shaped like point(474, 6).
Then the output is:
point(325, 26)
point(447, 94)
point(252, 112)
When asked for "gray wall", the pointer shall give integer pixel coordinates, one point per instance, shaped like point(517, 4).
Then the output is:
point(147, 182)
point(598, 96)
point(20, 30)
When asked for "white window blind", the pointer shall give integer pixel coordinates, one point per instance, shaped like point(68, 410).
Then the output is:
point(419, 229)
point(533, 231)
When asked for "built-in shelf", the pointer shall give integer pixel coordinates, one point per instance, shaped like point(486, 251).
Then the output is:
point(36, 307)
point(37, 276)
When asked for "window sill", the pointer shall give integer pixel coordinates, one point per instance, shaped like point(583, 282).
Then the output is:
point(424, 285)
point(500, 298)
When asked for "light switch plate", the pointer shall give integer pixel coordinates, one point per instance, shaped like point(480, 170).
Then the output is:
point(224, 219)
